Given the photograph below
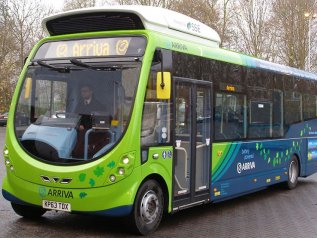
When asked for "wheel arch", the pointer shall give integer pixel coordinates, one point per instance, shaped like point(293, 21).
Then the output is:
point(296, 155)
point(158, 178)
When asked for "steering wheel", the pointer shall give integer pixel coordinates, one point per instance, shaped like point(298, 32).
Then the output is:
point(60, 114)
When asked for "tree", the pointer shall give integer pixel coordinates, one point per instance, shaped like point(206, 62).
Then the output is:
point(292, 30)
point(26, 17)
point(6, 36)
point(75, 4)
point(20, 28)
point(225, 28)
point(253, 34)
point(7, 49)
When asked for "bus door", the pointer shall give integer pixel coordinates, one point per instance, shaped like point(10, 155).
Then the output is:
point(192, 145)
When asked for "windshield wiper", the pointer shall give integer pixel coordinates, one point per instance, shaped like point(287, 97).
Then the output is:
point(88, 66)
point(61, 70)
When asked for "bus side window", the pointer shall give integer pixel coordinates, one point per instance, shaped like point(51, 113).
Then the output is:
point(293, 108)
point(309, 106)
point(230, 116)
point(260, 125)
point(278, 119)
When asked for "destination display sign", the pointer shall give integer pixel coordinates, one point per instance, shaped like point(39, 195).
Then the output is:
point(230, 87)
point(98, 47)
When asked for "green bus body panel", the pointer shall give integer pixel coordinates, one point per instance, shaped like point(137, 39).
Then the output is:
point(91, 188)
point(86, 200)
point(200, 50)
point(91, 180)
point(161, 167)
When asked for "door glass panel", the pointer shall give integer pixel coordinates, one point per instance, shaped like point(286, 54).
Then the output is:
point(183, 135)
point(203, 120)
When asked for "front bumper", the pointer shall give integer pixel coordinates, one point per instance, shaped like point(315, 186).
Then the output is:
point(113, 200)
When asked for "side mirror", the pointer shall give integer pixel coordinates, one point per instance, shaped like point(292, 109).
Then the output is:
point(163, 85)
point(24, 61)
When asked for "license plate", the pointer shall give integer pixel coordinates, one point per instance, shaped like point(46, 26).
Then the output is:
point(59, 206)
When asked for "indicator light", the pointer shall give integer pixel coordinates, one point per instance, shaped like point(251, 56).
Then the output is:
point(121, 171)
point(11, 168)
point(6, 152)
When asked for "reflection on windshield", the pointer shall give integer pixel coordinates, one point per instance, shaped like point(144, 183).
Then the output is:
point(75, 115)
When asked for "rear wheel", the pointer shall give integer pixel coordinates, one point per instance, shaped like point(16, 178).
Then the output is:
point(293, 172)
point(28, 211)
point(148, 208)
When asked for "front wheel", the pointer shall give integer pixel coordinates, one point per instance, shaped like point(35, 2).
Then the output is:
point(293, 171)
point(28, 211)
point(148, 208)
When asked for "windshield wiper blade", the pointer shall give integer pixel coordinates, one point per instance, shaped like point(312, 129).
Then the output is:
point(80, 63)
point(88, 66)
point(61, 70)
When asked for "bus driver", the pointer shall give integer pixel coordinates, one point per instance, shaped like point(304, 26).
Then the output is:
point(86, 106)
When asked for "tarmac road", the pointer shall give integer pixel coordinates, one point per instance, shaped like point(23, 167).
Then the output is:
point(272, 213)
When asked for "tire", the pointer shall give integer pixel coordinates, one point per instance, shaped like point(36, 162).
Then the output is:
point(28, 211)
point(293, 172)
point(148, 208)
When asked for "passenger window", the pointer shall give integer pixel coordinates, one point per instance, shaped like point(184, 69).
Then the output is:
point(278, 119)
point(309, 107)
point(293, 106)
point(260, 112)
point(260, 125)
point(230, 116)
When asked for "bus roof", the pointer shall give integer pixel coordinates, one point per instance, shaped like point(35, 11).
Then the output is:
point(283, 69)
point(152, 18)
point(171, 23)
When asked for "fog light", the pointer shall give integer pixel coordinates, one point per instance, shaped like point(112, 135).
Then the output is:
point(121, 171)
point(11, 168)
point(6, 152)
point(126, 160)
point(112, 178)
point(7, 162)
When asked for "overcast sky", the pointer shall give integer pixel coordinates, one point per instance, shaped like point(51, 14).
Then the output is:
point(57, 4)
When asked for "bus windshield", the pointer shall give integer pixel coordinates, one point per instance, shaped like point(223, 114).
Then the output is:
point(75, 110)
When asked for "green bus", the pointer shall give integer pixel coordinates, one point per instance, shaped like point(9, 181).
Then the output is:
point(135, 111)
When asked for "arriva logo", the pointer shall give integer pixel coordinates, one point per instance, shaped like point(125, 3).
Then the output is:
point(245, 166)
point(43, 192)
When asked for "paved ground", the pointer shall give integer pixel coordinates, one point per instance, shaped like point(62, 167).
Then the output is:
point(272, 213)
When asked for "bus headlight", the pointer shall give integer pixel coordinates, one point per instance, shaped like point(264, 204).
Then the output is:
point(112, 178)
point(125, 160)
